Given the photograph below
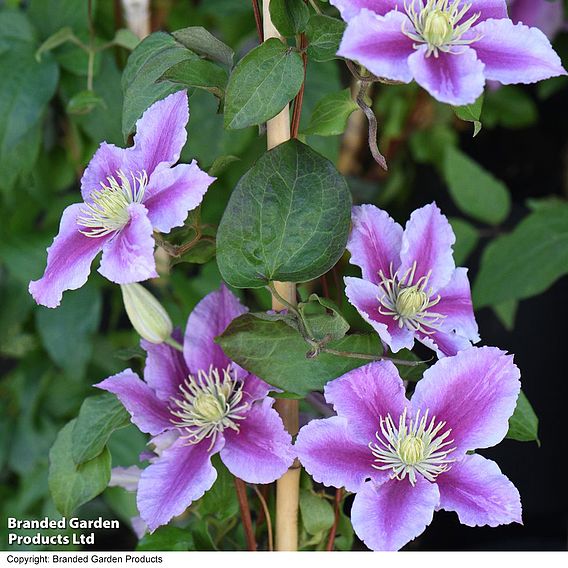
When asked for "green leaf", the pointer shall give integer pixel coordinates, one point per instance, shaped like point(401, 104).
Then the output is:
point(467, 238)
point(167, 538)
point(331, 113)
point(221, 500)
point(289, 16)
point(126, 38)
point(506, 312)
point(198, 73)
point(471, 113)
point(48, 17)
point(527, 261)
point(323, 326)
point(74, 322)
point(27, 87)
point(73, 485)
point(98, 418)
point(474, 190)
point(84, 102)
point(58, 38)
point(317, 513)
point(277, 353)
point(523, 425)
point(199, 40)
point(509, 106)
point(146, 64)
point(221, 164)
point(288, 219)
point(324, 34)
point(262, 83)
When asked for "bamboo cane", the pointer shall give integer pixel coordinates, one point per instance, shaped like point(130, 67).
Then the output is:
point(288, 486)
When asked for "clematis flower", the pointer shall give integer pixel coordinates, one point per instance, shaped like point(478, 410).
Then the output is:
point(404, 459)
point(546, 15)
point(128, 194)
point(449, 47)
point(410, 286)
point(198, 404)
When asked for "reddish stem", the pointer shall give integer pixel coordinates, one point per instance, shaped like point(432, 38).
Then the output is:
point(333, 530)
point(258, 20)
point(241, 488)
point(297, 113)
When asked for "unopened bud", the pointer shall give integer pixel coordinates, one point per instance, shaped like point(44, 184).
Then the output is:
point(146, 314)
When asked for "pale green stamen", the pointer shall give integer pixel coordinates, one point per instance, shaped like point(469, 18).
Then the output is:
point(416, 446)
point(209, 404)
point(409, 303)
point(435, 24)
point(107, 208)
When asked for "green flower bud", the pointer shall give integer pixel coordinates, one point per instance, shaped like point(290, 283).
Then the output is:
point(146, 314)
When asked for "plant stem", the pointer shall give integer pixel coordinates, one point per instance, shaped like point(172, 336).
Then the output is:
point(258, 20)
point(333, 531)
point(173, 343)
point(368, 357)
point(266, 512)
point(241, 488)
point(288, 486)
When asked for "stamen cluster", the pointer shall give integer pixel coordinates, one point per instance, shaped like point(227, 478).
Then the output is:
point(106, 211)
point(437, 24)
point(418, 445)
point(209, 404)
point(409, 303)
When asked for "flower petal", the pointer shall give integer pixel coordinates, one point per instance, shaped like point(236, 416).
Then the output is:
point(350, 8)
point(474, 392)
point(374, 242)
point(456, 305)
point(107, 161)
point(479, 493)
point(261, 451)
point(69, 260)
point(129, 256)
point(125, 477)
point(209, 319)
point(486, 9)
point(387, 516)
point(379, 44)
point(515, 53)
point(254, 387)
point(331, 455)
point(366, 394)
point(148, 412)
point(364, 296)
point(453, 78)
point(428, 239)
point(173, 192)
point(444, 343)
point(160, 132)
point(165, 369)
point(545, 15)
point(169, 486)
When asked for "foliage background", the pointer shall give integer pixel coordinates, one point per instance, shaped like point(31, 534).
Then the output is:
point(50, 358)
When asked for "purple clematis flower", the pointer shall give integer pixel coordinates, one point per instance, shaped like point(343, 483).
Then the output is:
point(410, 287)
point(449, 47)
point(546, 15)
point(405, 459)
point(201, 403)
point(128, 194)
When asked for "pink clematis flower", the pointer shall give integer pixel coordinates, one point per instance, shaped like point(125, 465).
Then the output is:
point(449, 47)
point(411, 288)
point(405, 459)
point(128, 194)
point(195, 405)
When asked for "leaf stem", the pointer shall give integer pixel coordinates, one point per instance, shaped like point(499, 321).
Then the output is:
point(369, 357)
point(241, 489)
point(333, 531)
point(173, 343)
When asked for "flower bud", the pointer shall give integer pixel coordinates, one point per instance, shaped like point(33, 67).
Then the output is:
point(147, 315)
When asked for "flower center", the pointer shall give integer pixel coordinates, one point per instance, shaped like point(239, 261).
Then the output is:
point(436, 24)
point(107, 208)
point(418, 445)
point(409, 303)
point(209, 404)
